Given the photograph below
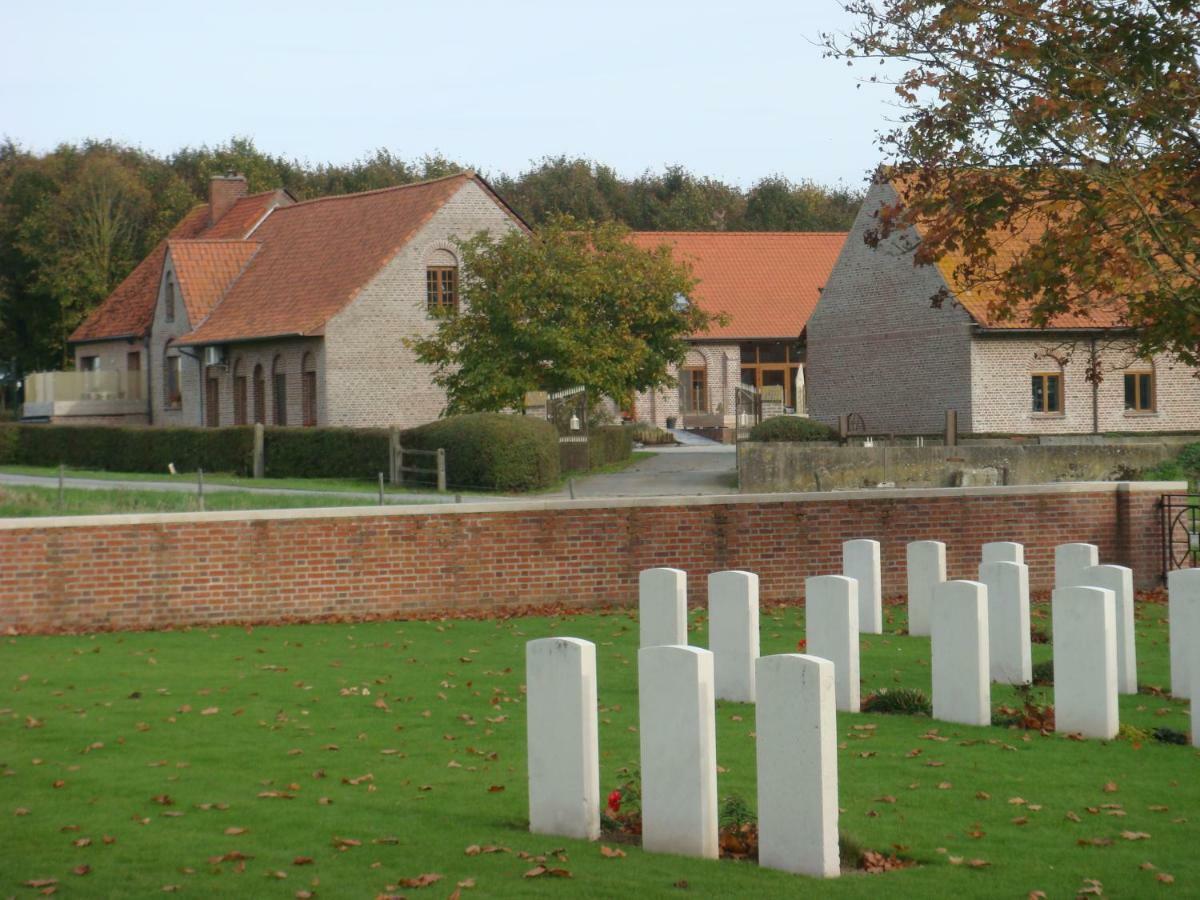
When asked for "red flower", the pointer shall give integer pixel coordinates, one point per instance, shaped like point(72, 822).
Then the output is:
point(614, 802)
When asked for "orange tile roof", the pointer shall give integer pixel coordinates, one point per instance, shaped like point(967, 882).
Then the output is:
point(205, 269)
point(316, 256)
point(129, 309)
point(767, 282)
point(245, 214)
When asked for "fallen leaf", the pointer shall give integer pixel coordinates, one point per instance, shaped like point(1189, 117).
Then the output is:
point(495, 788)
point(234, 830)
point(1165, 878)
point(421, 880)
point(302, 861)
point(1110, 787)
point(1135, 835)
point(81, 870)
point(611, 852)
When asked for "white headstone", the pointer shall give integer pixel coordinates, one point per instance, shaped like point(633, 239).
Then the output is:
point(926, 569)
point(564, 755)
point(677, 725)
point(662, 607)
point(1193, 710)
point(1119, 580)
point(1070, 560)
point(796, 737)
point(1009, 650)
point(831, 632)
point(1085, 661)
point(962, 688)
point(733, 632)
point(1003, 551)
point(860, 561)
point(1183, 621)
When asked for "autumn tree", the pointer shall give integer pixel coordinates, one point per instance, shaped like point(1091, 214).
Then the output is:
point(573, 304)
point(1072, 126)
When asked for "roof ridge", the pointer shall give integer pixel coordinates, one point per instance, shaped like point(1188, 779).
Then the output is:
point(203, 240)
point(395, 187)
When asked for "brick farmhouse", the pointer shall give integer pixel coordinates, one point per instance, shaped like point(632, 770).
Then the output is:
point(258, 308)
point(767, 285)
point(878, 347)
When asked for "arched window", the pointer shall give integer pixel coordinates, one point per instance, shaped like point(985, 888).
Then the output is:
point(240, 393)
point(308, 389)
point(1140, 388)
point(260, 396)
point(169, 298)
point(279, 390)
point(441, 282)
point(172, 390)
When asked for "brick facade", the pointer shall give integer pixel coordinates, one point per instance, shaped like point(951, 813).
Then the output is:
point(877, 348)
point(156, 571)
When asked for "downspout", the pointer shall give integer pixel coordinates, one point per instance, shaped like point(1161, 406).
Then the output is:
point(1095, 390)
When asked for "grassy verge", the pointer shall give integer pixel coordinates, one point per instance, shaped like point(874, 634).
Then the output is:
point(39, 501)
point(341, 759)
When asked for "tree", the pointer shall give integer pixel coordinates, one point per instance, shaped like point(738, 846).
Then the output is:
point(1052, 147)
point(573, 304)
point(776, 204)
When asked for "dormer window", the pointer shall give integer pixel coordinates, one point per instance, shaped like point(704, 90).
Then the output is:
point(169, 299)
point(441, 289)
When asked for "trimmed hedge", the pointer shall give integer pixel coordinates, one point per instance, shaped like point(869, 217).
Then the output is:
point(492, 451)
point(609, 444)
point(791, 428)
point(326, 452)
point(128, 449)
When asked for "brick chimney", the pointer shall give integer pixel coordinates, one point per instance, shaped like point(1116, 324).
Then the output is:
point(223, 192)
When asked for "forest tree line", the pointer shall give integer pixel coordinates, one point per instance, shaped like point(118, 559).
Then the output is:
point(74, 221)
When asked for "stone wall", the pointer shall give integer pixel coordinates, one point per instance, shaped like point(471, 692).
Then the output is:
point(792, 466)
point(154, 571)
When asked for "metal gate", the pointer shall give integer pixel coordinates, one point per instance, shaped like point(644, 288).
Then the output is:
point(747, 408)
point(567, 411)
point(1180, 531)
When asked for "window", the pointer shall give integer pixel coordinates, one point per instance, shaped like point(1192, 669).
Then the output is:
point(1047, 392)
point(695, 389)
point(308, 390)
point(1139, 391)
point(172, 394)
point(279, 391)
point(88, 363)
point(260, 396)
point(212, 400)
point(240, 394)
point(441, 288)
point(133, 361)
point(772, 363)
point(169, 299)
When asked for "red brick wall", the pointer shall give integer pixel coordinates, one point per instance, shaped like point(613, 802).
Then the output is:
point(219, 567)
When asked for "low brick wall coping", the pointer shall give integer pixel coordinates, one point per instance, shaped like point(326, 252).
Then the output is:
point(522, 506)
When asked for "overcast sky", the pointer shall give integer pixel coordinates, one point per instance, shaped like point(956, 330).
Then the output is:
point(731, 90)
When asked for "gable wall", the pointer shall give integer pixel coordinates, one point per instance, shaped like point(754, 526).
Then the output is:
point(160, 332)
point(875, 345)
point(371, 377)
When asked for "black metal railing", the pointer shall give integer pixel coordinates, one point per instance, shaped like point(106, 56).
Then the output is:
point(1180, 531)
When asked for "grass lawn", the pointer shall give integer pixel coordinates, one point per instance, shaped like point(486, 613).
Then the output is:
point(38, 501)
point(340, 759)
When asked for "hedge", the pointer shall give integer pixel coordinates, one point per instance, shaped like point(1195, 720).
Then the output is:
point(326, 452)
point(791, 428)
point(128, 449)
point(492, 451)
point(609, 444)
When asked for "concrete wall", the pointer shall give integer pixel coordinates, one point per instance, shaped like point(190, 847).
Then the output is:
point(1001, 401)
point(790, 466)
point(152, 571)
point(875, 345)
point(371, 377)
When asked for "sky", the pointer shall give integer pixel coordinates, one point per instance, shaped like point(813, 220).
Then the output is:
point(730, 90)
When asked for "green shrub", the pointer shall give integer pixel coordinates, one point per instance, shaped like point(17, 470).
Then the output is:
point(132, 449)
point(608, 444)
point(1189, 460)
point(791, 428)
point(9, 438)
point(492, 451)
point(905, 701)
point(326, 452)
point(645, 433)
point(1043, 672)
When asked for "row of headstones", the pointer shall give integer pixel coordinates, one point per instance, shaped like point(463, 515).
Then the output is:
point(796, 746)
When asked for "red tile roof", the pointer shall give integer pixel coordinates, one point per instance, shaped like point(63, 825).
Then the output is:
point(315, 258)
point(767, 282)
point(205, 269)
point(129, 309)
